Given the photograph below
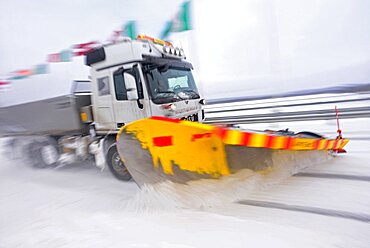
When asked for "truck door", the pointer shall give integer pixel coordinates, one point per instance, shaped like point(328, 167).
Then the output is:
point(102, 102)
point(130, 101)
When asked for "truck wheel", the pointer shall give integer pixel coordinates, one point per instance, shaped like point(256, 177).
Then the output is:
point(42, 154)
point(116, 165)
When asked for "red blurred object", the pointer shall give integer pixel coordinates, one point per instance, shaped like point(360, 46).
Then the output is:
point(340, 151)
point(83, 48)
point(54, 57)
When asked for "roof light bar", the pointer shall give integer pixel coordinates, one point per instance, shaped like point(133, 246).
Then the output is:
point(154, 40)
point(168, 48)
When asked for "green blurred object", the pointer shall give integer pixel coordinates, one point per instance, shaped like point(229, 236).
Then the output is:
point(181, 22)
point(129, 30)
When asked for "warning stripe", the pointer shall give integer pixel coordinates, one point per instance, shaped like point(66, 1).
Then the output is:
point(220, 132)
point(269, 141)
point(316, 145)
point(322, 144)
point(237, 137)
point(233, 137)
point(246, 139)
point(335, 146)
point(258, 140)
point(280, 142)
point(289, 143)
point(250, 139)
point(326, 145)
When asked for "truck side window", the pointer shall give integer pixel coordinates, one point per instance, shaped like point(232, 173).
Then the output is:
point(119, 85)
point(103, 86)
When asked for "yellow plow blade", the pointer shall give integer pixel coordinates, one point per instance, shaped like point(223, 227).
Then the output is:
point(158, 149)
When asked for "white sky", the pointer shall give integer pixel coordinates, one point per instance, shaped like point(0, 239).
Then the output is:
point(239, 47)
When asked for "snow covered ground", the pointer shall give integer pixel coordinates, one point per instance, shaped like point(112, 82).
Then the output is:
point(326, 205)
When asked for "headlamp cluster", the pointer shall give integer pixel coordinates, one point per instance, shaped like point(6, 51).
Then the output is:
point(173, 51)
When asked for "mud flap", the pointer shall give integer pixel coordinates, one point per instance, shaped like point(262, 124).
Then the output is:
point(158, 149)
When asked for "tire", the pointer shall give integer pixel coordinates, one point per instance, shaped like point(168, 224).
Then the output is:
point(42, 154)
point(9, 148)
point(116, 165)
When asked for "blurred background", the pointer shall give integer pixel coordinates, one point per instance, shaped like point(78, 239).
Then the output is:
point(238, 48)
point(290, 51)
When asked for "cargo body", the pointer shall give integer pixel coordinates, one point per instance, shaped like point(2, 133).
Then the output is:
point(56, 116)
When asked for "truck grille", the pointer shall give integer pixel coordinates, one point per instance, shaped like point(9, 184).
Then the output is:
point(193, 117)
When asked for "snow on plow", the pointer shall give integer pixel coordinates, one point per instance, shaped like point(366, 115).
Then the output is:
point(157, 149)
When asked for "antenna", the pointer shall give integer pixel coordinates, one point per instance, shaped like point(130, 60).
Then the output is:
point(337, 117)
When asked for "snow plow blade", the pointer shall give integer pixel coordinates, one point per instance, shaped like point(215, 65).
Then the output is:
point(158, 149)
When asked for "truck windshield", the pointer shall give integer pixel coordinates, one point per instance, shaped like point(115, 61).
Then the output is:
point(171, 84)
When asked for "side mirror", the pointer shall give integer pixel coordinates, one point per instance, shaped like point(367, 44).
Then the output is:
point(130, 84)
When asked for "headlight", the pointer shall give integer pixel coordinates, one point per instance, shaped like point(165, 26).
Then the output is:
point(181, 52)
point(173, 107)
point(177, 51)
point(166, 49)
point(169, 106)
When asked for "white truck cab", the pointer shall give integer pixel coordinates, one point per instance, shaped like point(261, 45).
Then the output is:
point(130, 80)
point(136, 79)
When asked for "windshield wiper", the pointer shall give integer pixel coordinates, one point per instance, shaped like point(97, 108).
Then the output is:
point(165, 91)
point(192, 91)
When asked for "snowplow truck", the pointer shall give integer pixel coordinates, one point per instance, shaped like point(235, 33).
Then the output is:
point(142, 118)
point(129, 81)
